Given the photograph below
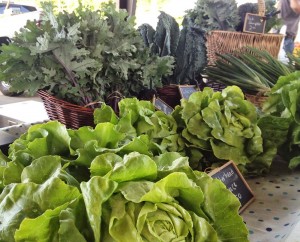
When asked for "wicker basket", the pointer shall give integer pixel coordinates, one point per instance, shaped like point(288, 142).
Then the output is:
point(71, 115)
point(216, 86)
point(169, 94)
point(258, 99)
point(221, 42)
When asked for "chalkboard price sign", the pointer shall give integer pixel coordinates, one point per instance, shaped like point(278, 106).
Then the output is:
point(162, 106)
point(235, 182)
point(187, 90)
point(254, 23)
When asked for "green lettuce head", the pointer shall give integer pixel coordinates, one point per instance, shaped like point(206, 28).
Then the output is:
point(221, 126)
point(154, 222)
point(165, 202)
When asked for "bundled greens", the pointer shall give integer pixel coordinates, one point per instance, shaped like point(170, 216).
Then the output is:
point(186, 45)
point(97, 185)
point(82, 57)
point(284, 105)
point(191, 54)
point(252, 69)
point(231, 70)
point(164, 39)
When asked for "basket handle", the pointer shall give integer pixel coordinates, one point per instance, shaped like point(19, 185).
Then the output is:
point(97, 103)
point(261, 7)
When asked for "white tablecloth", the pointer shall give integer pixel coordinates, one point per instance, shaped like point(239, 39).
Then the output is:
point(275, 213)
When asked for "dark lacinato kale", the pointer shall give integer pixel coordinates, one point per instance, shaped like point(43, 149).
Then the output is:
point(191, 53)
point(166, 35)
point(147, 32)
point(164, 39)
point(186, 45)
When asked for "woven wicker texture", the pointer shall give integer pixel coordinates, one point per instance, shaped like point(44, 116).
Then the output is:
point(71, 115)
point(169, 94)
point(257, 99)
point(221, 42)
point(261, 7)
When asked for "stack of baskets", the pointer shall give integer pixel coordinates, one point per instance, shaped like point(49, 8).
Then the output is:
point(221, 42)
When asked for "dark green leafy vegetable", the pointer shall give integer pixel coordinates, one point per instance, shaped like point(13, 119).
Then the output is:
point(243, 9)
point(190, 54)
point(164, 39)
point(166, 35)
point(147, 32)
point(186, 45)
point(214, 14)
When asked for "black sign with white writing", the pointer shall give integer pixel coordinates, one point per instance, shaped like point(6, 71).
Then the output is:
point(186, 91)
point(162, 106)
point(235, 182)
point(254, 23)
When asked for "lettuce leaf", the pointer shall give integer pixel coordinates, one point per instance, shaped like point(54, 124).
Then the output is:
point(284, 104)
point(29, 200)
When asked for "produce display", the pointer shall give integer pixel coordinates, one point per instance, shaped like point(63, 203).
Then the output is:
point(100, 185)
point(210, 128)
point(140, 174)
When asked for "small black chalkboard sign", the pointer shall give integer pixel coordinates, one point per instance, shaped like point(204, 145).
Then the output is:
point(235, 182)
point(162, 106)
point(187, 90)
point(254, 23)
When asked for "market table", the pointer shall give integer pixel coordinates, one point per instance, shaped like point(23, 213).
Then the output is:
point(21, 115)
point(274, 215)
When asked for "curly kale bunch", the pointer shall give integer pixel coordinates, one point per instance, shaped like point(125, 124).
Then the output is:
point(82, 57)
